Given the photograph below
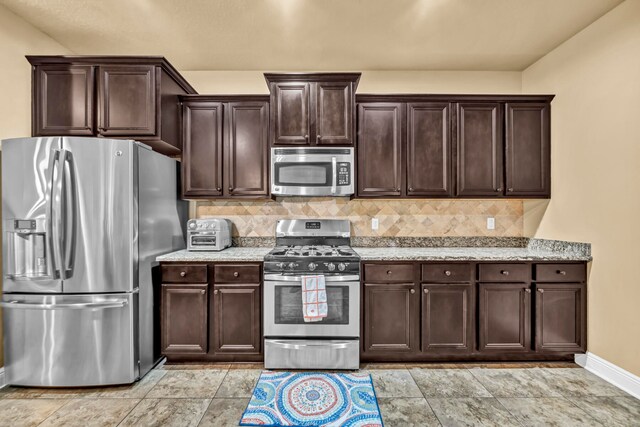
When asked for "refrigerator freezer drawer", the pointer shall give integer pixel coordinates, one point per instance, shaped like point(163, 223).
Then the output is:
point(70, 340)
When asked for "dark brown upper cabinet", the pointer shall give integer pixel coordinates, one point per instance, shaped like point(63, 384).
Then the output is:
point(528, 149)
point(312, 108)
point(380, 149)
point(479, 149)
point(226, 145)
point(133, 97)
point(428, 149)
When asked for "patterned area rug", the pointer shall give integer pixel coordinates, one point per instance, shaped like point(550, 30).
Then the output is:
point(313, 399)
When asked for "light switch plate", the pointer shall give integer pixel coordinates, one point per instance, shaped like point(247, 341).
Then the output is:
point(374, 223)
point(491, 223)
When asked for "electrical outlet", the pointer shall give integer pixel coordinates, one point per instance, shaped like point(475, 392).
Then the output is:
point(374, 223)
point(491, 223)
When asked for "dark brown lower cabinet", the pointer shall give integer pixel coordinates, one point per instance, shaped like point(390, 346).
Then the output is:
point(185, 319)
point(504, 317)
point(447, 318)
point(236, 323)
point(391, 318)
point(561, 317)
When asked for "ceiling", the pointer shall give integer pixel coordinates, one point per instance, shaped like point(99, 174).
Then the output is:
point(317, 34)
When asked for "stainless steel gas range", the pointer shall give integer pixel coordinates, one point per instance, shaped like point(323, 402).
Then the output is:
point(312, 247)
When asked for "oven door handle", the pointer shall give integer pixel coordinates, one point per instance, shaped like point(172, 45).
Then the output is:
point(281, 278)
point(297, 346)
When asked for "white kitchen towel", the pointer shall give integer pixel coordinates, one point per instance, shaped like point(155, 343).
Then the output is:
point(314, 298)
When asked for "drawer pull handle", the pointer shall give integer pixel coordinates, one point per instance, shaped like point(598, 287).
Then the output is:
point(541, 291)
point(528, 291)
point(215, 292)
point(389, 272)
point(562, 272)
point(413, 291)
point(426, 291)
point(236, 274)
point(183, 273)
point(447, 273)
point(505, 272)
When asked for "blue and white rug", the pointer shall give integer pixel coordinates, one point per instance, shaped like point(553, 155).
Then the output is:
point(313, 399)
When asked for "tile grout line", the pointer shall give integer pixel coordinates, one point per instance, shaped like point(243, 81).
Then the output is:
point(219, 385)
point(205, 411)
point(54, 412)
point(130, 411)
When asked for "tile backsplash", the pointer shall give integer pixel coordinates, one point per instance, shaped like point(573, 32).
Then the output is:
point(397, 218)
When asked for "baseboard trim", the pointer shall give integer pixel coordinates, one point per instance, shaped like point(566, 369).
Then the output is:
point(2, 383)
point(611, 373)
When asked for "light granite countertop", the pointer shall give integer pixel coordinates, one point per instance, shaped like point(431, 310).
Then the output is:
point(230, 254)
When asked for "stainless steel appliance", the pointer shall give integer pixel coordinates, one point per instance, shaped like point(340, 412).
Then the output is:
point(318, 171)
point(83, 220)
point(306, 247)
point(210, 234)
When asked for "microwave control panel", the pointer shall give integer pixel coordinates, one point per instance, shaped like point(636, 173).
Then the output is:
point(344, 173)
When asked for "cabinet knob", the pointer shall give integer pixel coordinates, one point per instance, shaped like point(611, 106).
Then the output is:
point(426, 291)
point(183, 273)
point(499, 189)
point(203, 291)
point(218, 189)
point(389, 271)
point(398, 189)
point(447, 273)
point(510, 189)
point(230, 188)
point(413, 291)
point(562, 272)
point(541, 291)
point(410, 188)
point(318, 137)
point(215, 292)
point(306, 137)
point(528, 291)
point(505, 272)
point(236, 274)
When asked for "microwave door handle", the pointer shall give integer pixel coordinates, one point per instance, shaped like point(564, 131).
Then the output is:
point(334, 178)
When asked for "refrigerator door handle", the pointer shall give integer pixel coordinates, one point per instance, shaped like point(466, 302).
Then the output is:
point(57, 199)
point(77, 306)
point(53, 213)
point(70, 219)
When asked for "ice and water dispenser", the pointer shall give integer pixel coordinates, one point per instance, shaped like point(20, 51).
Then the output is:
point(26, 244)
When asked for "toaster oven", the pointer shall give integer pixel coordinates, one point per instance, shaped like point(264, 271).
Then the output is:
point(210, 234)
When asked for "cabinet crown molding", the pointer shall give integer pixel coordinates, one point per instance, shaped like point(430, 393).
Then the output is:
point(313, 77)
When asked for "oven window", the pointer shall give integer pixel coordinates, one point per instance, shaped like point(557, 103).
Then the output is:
point(307, 174)
point(288, 305)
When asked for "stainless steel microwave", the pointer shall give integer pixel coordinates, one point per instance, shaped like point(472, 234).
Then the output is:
point(318, 171)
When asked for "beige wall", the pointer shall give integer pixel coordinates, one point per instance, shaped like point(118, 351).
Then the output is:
point(17, 39)
point(596, 170)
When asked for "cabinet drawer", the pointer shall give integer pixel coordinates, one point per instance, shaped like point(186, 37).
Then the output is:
point(388, 272)
point(560, 272)
point(444, 273)
point(184, 273)
point(505, 272)
point(236, 273)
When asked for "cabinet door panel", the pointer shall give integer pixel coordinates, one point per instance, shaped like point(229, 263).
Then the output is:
point(505, 317)
point(290, 112)
point(247, 146)
point(127, 100)
point(428, 149)
point(237, 322)
point(447, 316)
point(335, 112)
point(561, 310)
point(528, 149)
point(185, 319)
point(202, 149)
point(479, 149)
point(391, 318)
point(380, 130)
point(63, 100)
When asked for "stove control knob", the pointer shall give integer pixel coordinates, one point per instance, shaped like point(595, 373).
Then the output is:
point(331, 266)
point(192, 225)
point(342, 266)
point(312, 266)
point(292, 266)
point(281, 265)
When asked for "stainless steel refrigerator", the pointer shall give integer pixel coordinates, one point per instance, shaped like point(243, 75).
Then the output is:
point(83, 220)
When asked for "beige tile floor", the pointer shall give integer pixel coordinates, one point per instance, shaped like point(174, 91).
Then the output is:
point(409, 395)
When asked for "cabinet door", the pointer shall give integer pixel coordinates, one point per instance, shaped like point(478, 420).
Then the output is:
point(505, 317)
point(428, 150)
point(561, 317)
point(127, 100)
point(237, 321)
point(447, 316)
point(528, 149)
point(479, 149)
point(247, 149)
point(391, 318)
point(290, 113)
point(202, 149)
point(63, 100)
point(185, 319)
point(380, 153)
point(334, 111)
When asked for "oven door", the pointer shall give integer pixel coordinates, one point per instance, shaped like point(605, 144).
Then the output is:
point(312, 171)
point(283, 309)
